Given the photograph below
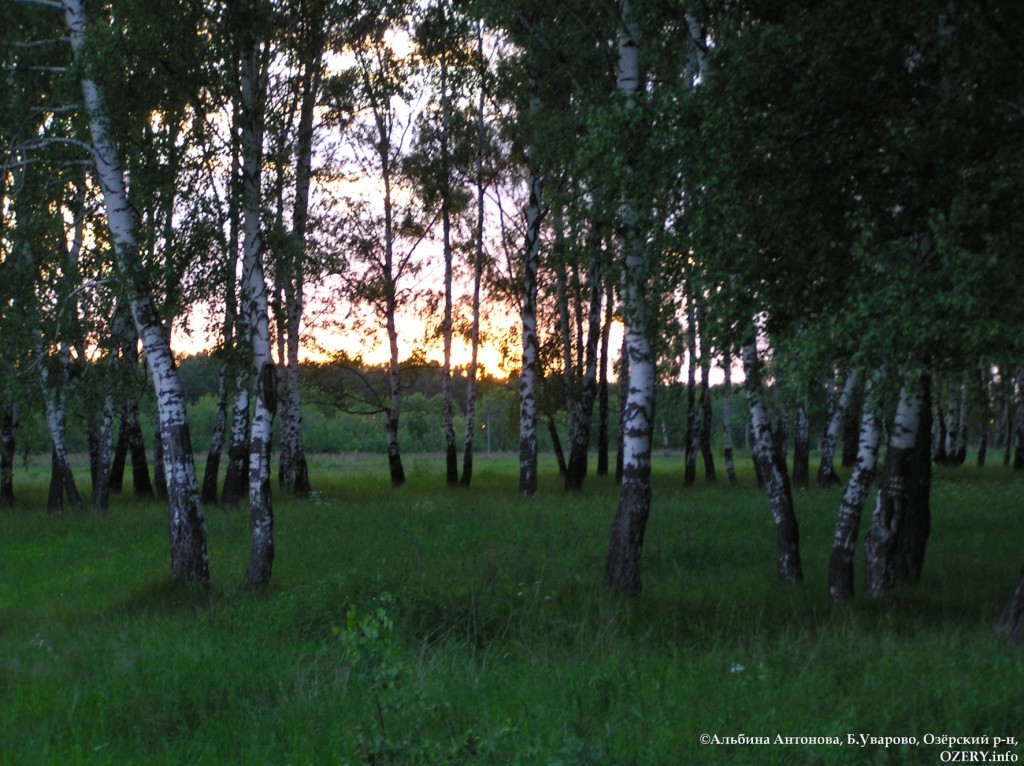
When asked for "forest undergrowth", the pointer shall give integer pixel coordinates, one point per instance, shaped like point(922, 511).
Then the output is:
point(435, 626)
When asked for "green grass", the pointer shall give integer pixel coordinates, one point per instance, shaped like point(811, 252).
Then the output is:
point(437, 627)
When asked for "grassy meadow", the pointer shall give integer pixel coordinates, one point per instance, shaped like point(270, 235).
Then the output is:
point(429, 626)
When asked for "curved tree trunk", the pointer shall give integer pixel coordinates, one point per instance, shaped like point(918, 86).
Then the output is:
point(187, 528)
point(55, 417)
point(773, 470)
point(826, 469)
point(844, 542)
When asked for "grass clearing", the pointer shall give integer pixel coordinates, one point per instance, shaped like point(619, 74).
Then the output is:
point(426, 626)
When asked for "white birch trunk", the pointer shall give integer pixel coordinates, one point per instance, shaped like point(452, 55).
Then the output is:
point(56, 413)
point(826, 470)
point(187, 527)
point(238, 449)
point(255, 310)
point(451, 452)
point(844, 542)
point(622, 568)
point(773, 471)
point(528, 314)
point(104, 453)
point(891, 501)
point(478, 259)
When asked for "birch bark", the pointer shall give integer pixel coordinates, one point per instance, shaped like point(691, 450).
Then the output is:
point(255, 308)
point(187, 528)
point(622, 568)
point(773, 470)
point(844, 542)
point(887, 520)
point(478, 263)
point(451, 452)
point(826, 469)
point(528, 314)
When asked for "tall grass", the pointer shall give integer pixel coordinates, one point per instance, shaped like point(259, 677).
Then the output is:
point(432, 626)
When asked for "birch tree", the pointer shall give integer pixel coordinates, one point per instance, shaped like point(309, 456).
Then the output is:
point(844, 543)
point(187, 528)
point(622, 567)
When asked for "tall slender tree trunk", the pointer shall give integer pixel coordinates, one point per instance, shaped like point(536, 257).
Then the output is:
point(450, 450)
point(891, 505)
point(187, 528)
point(129, 438)
point(602, 385)
point(704, 408)
point(826, 469)
point(773, 470)
point(913, 537)
point(296, 472)
point(801, 447)
point(579, 431)
point(622, 567)
point(985, 397)
point(101, 477)
point(255, 309)
point(478, 264)
point(556, 446)
point(1018, 422)
point(211, 473)
point(55, 417)
point(844, 542)
point(963, 424)
point(238, 448)
point(691, 439)
point(730, 466)
point(9, 418)
point(528, 312)
point(623, 395)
